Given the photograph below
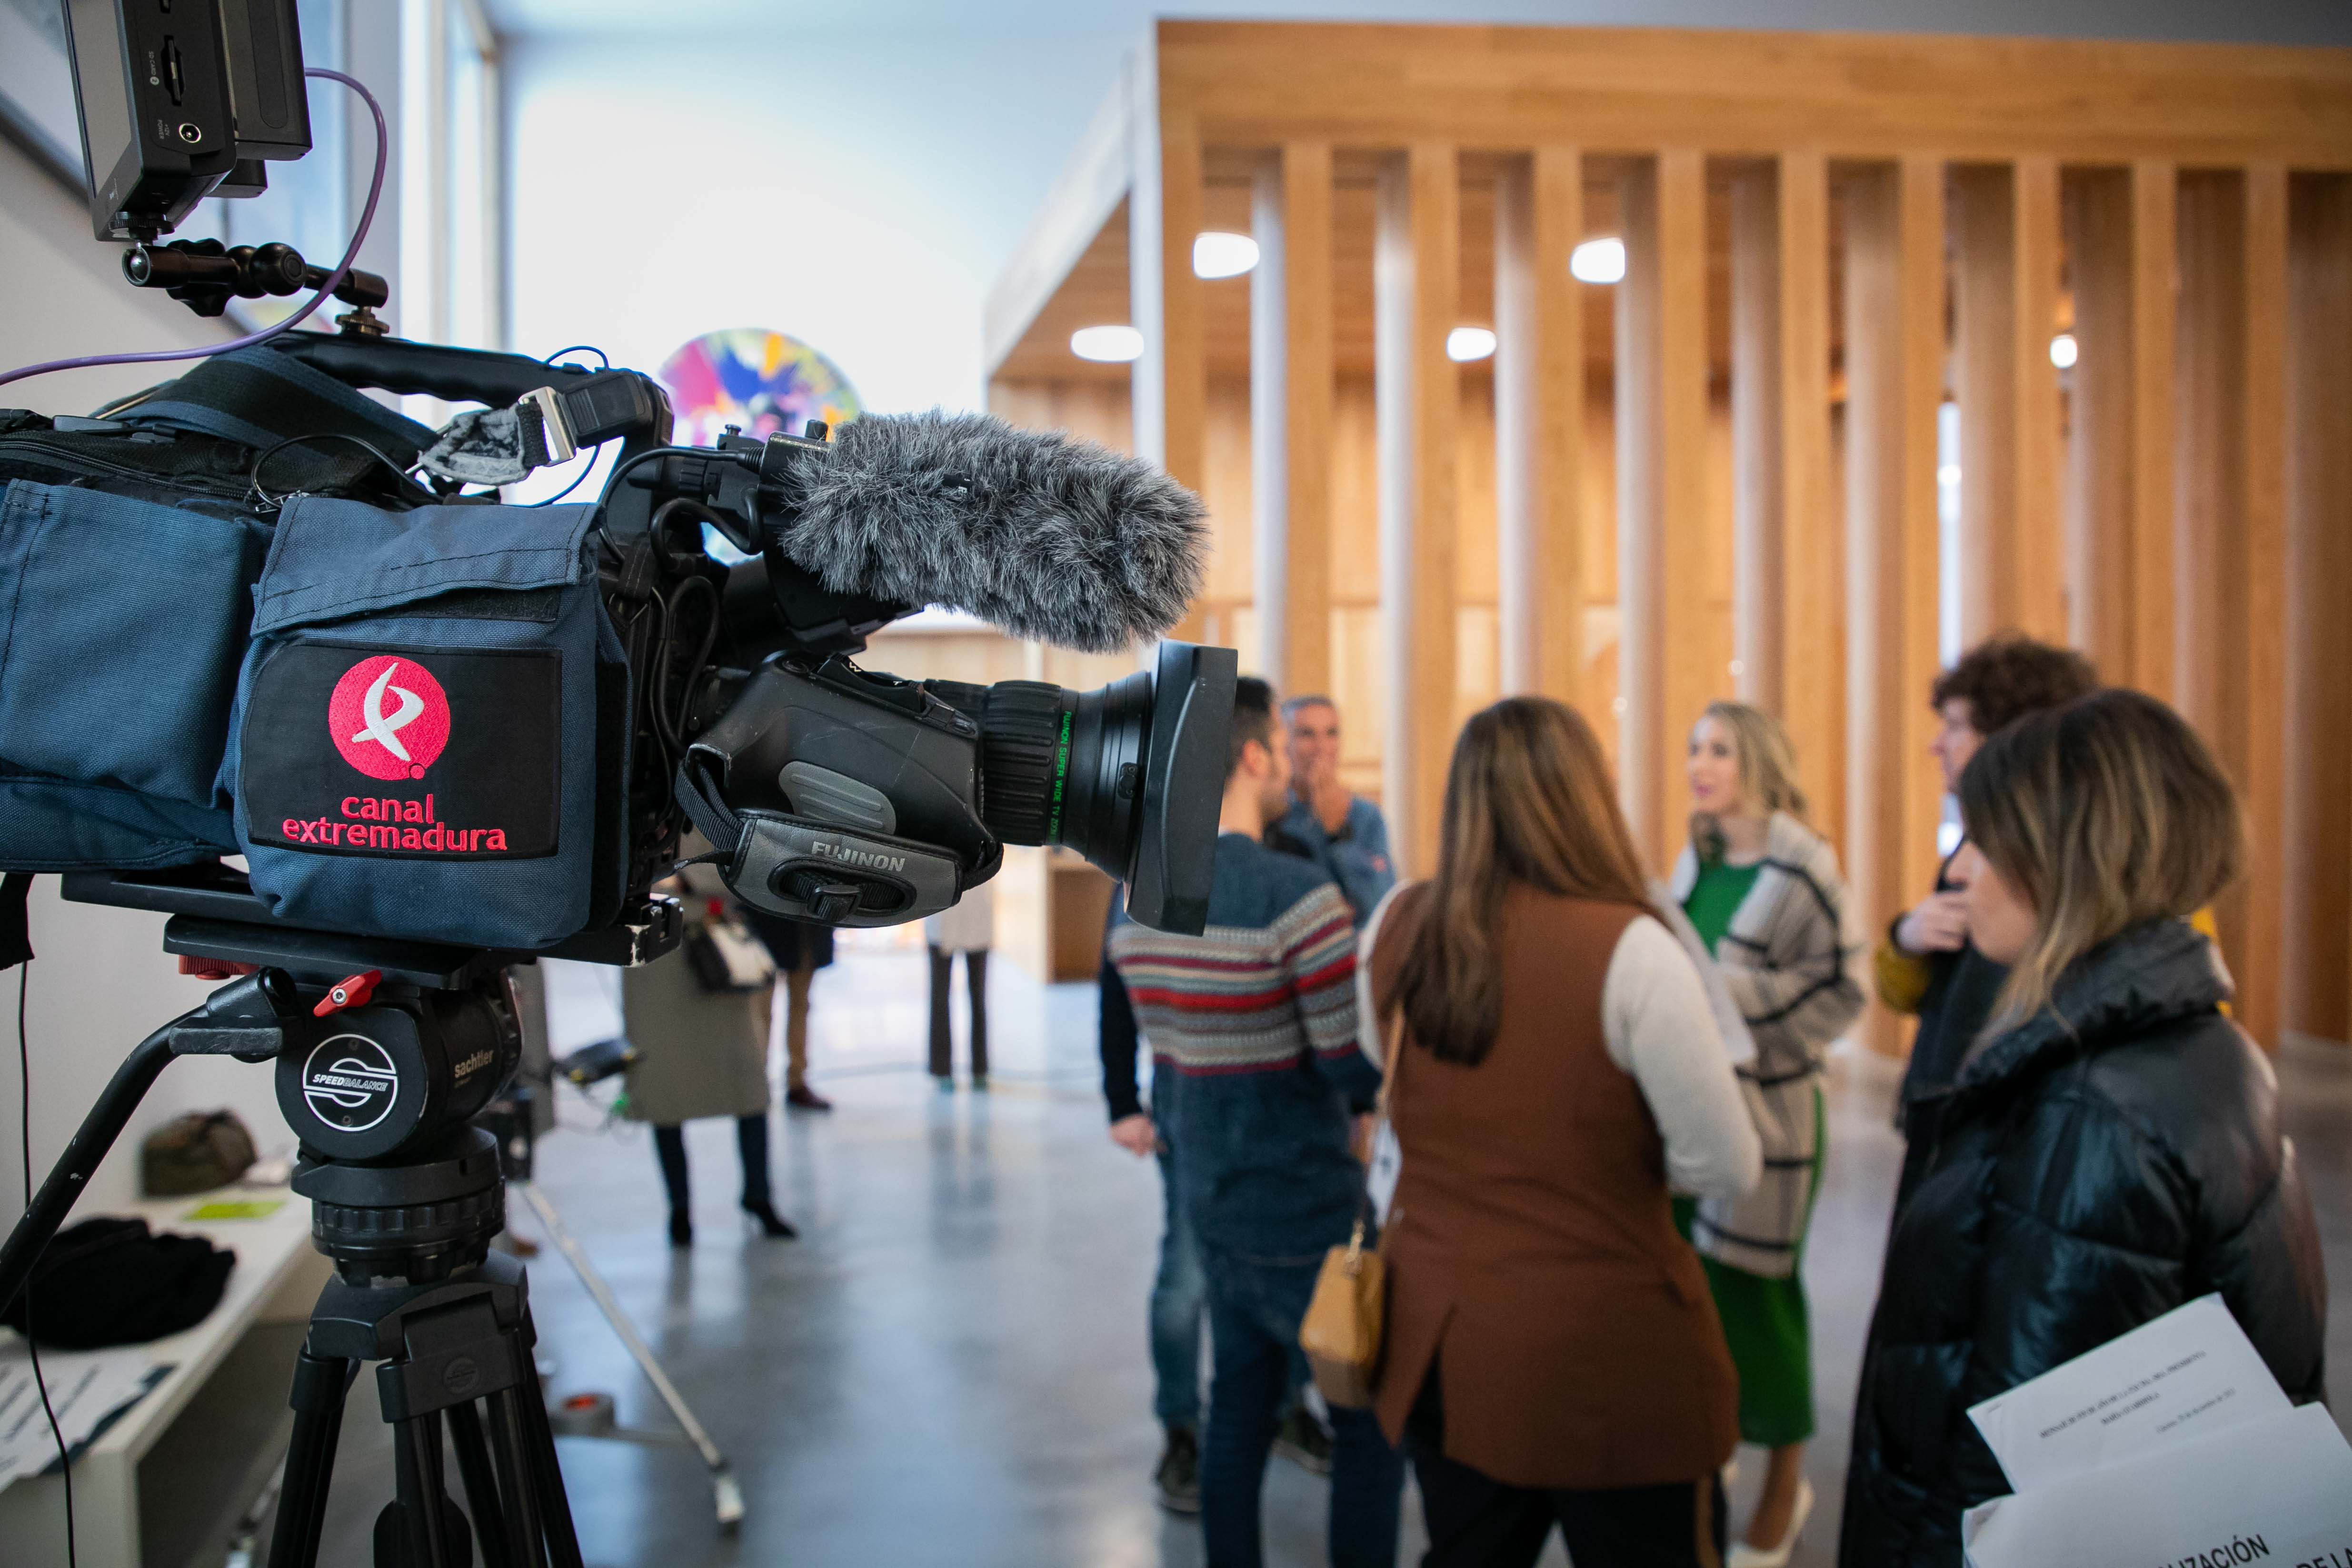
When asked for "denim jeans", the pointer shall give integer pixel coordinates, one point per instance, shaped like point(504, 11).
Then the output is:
point(1180, 1296)
point(1255, 1309)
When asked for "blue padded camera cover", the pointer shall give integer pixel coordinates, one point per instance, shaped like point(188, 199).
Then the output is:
point(413, 751)
point(122, 626)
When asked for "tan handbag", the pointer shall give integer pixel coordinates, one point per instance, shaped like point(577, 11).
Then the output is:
point(1346, 1323)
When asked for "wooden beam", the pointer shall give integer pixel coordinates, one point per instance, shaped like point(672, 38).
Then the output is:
point(1894, 353)
point(2033, 318)
point(1759, 507)
point(1084, 195)
point(1788, 562)
point(2229, 638)
point(2004, 294)
point(1416, 287)
point(1539, 423)
point(1663, 674)
point(2317, 867)
point(2099, 469)
point(1307, 316)
point(1271, 544)
point(2260, 986)
point(1812, 701)
point(2154, 319)
point(1852, 95)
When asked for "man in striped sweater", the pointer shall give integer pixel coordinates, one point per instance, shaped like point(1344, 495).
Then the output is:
point(1257, 1081)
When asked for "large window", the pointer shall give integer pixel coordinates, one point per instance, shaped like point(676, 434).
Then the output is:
point(450, 222)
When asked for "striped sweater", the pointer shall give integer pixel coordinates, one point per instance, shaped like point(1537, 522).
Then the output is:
point(1256, 1067)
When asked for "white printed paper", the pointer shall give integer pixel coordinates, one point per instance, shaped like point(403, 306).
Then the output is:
point(2273, 1493)
point(2187, 1373)
point(86, 1387)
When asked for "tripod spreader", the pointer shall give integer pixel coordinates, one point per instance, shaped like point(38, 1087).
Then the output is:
point(246, 1019)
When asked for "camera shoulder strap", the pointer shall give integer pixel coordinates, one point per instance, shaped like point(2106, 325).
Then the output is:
point(707, 812)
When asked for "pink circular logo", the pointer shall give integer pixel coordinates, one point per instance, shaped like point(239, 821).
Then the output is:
point(389, 716)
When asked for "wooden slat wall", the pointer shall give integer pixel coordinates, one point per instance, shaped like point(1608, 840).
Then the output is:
point(2179, 503)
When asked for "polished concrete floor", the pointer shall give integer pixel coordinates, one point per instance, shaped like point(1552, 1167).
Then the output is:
point(949, 1366)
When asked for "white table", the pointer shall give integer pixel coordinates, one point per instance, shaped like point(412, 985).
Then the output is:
point(169, 1481)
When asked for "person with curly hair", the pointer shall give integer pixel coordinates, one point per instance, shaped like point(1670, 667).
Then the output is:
point(1927, 965)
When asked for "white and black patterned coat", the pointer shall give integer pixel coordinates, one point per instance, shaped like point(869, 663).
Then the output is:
point(1793, 962)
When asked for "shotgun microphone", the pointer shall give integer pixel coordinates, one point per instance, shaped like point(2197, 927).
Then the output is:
point(1043, 536)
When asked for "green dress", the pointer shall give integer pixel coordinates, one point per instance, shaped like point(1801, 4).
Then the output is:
point(1764, 1321)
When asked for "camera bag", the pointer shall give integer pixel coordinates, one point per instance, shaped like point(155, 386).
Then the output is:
point(129, 547)
point(426, 709)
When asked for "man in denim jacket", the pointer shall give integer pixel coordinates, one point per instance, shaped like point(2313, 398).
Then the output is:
point(1324, 820)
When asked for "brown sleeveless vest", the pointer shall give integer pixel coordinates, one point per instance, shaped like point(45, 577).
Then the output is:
point(1531, 1253)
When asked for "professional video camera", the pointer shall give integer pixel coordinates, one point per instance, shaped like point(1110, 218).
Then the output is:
point(252, 611)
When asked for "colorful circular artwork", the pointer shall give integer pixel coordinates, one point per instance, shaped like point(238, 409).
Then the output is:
point(762, 381)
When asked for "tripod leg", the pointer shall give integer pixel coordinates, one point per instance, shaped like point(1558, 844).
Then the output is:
point(320, 1383)
point(481, 1489)
point(518, 1479)
point(556, 1509)
point(421, 1527)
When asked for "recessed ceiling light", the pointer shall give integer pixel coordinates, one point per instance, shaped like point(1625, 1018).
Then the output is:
point(1107, 345)
point(1463, 344)
point(1598, 261)
point(2063, 351)
point(1216, 254)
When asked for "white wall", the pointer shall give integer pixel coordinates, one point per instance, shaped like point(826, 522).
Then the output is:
point(851, 192)
point(102, 981)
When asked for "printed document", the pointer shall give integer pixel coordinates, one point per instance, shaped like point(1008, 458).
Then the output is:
point(2187, 1373)
point(87, 1390)
point(2273, 1493)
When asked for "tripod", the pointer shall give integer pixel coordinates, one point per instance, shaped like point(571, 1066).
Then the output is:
point(383, 1049)
point(418, 1292)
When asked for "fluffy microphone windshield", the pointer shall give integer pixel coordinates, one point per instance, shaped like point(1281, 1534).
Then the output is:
point(1043, 536)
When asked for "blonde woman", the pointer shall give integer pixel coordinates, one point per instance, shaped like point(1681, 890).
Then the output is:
point(1762, 891)
point(2109, 1147)
point(1553, 1361)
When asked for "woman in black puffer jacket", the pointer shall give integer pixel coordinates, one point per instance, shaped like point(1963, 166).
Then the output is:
point(2110, 1148)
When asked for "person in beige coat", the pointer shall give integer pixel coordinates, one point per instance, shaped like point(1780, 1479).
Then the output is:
point(969, 927)
point(696, 1055)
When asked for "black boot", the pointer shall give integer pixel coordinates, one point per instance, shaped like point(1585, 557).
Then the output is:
point(669, 1149)
point(751, 1144)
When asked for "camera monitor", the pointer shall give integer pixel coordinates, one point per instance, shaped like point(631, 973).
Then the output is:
point(173, 96)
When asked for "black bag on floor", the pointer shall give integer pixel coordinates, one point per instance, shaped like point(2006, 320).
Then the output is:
point(110, 1281)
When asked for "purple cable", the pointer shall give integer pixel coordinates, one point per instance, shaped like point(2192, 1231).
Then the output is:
point(358, 237)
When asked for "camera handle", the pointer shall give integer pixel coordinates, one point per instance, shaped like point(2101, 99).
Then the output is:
point(245, 1019)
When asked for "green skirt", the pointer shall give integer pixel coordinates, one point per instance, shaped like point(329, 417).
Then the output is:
point(1766, 1324)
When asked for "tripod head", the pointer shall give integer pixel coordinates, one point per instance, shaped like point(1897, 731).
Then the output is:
point(384, 1049)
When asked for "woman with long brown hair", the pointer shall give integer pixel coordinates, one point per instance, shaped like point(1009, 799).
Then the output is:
point(2109, 1147)
point(1553, 1357)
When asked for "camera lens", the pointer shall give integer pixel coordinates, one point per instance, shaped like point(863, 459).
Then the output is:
point(1065, 767)
point(1129, 774)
